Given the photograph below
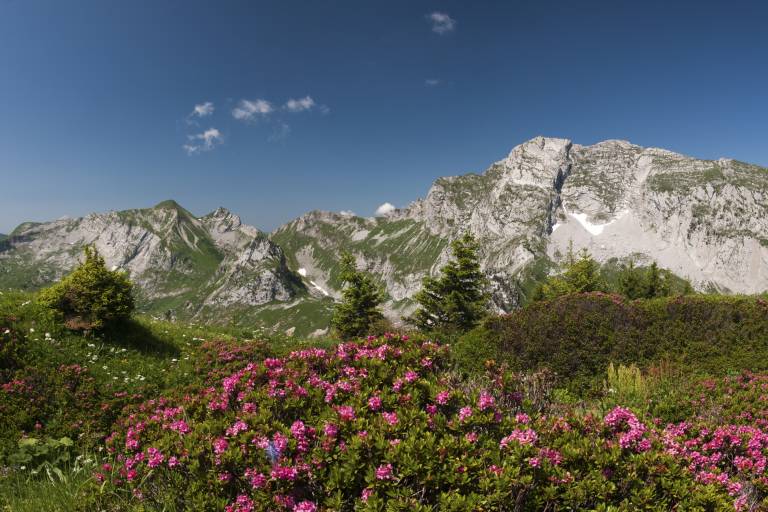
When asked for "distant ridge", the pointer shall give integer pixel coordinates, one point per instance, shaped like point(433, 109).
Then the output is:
point(706, 220)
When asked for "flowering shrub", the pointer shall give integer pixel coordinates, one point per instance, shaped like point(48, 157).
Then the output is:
point(381, 424)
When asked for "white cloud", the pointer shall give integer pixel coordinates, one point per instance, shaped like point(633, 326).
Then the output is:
point(385, 209)
point(441, 22)
point(249, 110)
point(205, 141)
point(432, 82)
point(203, 109)
point(347, 213)
point(299, 105)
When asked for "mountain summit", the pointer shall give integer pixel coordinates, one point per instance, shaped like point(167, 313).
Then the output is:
point(706, 220)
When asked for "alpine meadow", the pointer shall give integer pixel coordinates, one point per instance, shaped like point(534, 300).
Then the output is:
point(193, 317)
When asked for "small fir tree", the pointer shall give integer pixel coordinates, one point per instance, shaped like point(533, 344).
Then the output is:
point(358, 312)
point(457, 299)
point(632, 283)
point(657, 282)
point(580, 274)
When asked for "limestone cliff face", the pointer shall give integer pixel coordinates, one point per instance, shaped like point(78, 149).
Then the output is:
point(704, 220)
point(175, 259)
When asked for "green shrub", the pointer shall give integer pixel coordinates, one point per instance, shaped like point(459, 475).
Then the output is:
point(578, 335)
point(92, 296)
point(34, 454)
point(472, 350)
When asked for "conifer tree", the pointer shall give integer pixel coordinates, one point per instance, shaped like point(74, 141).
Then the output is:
point(360, 300)
point(632, 283)
point(455, 301)
point(580, 274)
point(657, 282)
point(91, 296)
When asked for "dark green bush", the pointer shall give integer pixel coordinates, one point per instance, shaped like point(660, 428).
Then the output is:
point(92, 296)
point(578, 335)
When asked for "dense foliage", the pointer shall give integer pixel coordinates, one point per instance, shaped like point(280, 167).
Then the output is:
point(380, 425)
point(580, 273)
point(578, 335)
point(361, 298)
point(455, 301)
point(91, 296)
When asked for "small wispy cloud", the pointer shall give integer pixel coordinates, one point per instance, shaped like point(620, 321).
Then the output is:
point(441, 22)
point(300, 105)
point(432, 82)
point(250, 110)
point(281, 133)
point(203, 109)
point(347, 213)
point(204, 141)
point(385, 209)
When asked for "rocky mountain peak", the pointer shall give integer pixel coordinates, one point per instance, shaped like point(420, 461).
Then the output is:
point(536, 162)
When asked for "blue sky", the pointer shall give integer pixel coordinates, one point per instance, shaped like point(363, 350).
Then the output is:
point(97, 97)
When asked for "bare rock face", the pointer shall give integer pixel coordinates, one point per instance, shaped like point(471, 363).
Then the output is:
point(704, 220)
point(173, 257)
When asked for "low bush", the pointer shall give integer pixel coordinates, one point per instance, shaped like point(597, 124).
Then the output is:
point(578, 335)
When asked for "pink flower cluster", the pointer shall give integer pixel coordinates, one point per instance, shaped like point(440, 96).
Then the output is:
point(384, 472)
point(631, 430)
point(524, 437)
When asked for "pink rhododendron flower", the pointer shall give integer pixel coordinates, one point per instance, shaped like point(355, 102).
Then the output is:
point(256, 479)
point(305, 506)
point(242, 504)
point(374, 403)
point(154, 457)
point(220, 445)
point(524, 437)
point(284, 473)
point(384, 472)
point(346, 412)
point(485, 401)
point(236, 428)
point(390, 417)
point(180, 426)
point(330, 430)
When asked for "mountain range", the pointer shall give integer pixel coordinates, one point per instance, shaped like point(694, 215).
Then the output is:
point(705, 220)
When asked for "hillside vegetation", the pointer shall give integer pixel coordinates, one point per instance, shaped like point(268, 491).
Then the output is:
point(578, 335)
point(583, 400)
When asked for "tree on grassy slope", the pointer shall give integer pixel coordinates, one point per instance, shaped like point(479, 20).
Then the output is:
point(361, 297)
point(455, 301)
point(91, 296)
